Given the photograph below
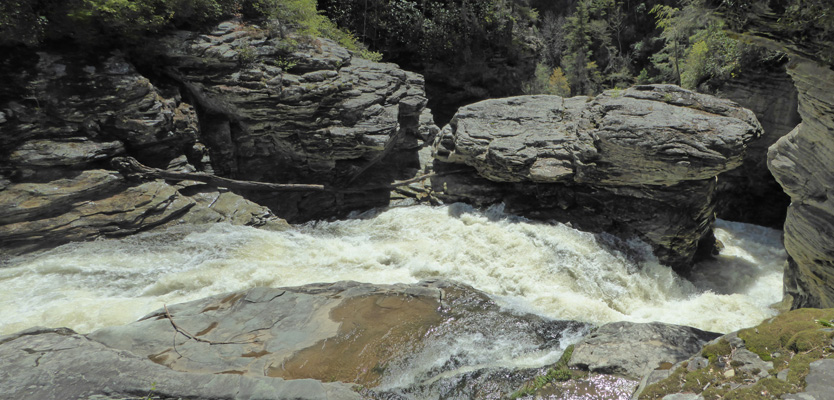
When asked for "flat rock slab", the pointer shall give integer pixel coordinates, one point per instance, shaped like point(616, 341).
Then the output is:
point(48, 364)
point(634, 349)
point(425, 337)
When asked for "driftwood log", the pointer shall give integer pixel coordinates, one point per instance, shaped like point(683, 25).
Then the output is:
point(129, 167)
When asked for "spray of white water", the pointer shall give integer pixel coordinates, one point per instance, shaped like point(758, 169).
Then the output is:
point(548, 269)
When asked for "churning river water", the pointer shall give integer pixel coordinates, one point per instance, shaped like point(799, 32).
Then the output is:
point(545, 268)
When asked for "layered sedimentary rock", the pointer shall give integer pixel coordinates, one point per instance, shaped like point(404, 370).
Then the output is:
point(64, 117)
point(306, 112)
point(803, 163)
point(226, 103)
point(640, 162)
point(750, 193)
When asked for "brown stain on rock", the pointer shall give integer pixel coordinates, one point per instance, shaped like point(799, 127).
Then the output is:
point(160, 358)
point(374, 330)
point(207, 330)
point(232, 298)
point(255, 354)
point(233, 372)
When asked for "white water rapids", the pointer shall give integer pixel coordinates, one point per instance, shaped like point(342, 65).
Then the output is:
point(549, 269)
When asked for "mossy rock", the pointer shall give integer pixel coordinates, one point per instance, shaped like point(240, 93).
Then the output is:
point(776, 333)
point(792, 341)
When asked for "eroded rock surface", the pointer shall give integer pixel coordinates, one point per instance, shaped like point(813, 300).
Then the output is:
point(69, 117)
point(429, 338)
point(306, 113)
point(640, 162)
point(235, 102)
point(54, 364)
point(803, 163)
point(633, 350)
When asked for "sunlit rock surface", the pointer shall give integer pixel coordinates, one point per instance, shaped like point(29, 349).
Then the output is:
point(67, 365)
point(633, 350)
point(637, 162)
point(426, 338)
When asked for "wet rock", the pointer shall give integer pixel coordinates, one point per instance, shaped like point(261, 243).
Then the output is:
point(634, 350)
point(598, 162)
point(57, 364)
point(432, 337)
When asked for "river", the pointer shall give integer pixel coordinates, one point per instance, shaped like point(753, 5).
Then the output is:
point(546, 268)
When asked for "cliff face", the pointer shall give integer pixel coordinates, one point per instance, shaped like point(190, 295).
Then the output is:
point(639, 162)
point(223, 103)
point(803, 163)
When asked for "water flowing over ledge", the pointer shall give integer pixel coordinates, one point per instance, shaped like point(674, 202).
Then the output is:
point(548, 269)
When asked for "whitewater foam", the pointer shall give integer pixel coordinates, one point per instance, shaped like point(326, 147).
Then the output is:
point(549, 269)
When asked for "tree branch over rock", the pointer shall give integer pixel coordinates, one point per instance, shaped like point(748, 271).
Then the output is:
point(131, 168)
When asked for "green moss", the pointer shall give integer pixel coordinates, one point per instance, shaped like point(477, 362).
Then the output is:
point(792, 341)
point(713, 351)
point(776, 333)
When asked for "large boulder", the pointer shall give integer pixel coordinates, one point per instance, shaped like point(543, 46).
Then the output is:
point(637, 162)
point(234, 102)
point(299, 110)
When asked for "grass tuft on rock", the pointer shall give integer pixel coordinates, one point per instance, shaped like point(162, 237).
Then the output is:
point(792, 341)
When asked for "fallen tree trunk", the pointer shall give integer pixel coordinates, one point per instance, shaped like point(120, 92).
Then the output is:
point(129, 167)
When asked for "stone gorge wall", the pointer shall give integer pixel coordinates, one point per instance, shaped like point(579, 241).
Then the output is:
point(750, 193)
point(227, 107)
point(803, 163)
point(640, 162)
point(314, 115)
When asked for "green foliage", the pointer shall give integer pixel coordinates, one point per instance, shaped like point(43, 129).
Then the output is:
point(445, 31)
point(547, 81)
point(105, 22)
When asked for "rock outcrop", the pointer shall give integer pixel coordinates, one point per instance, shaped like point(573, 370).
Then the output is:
point(749, 193)
point(304, 113)
point(69, 116)
point(803, 163)
point(639, 162)
point(429, 340)
point(234, 102)
point(634, 350)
